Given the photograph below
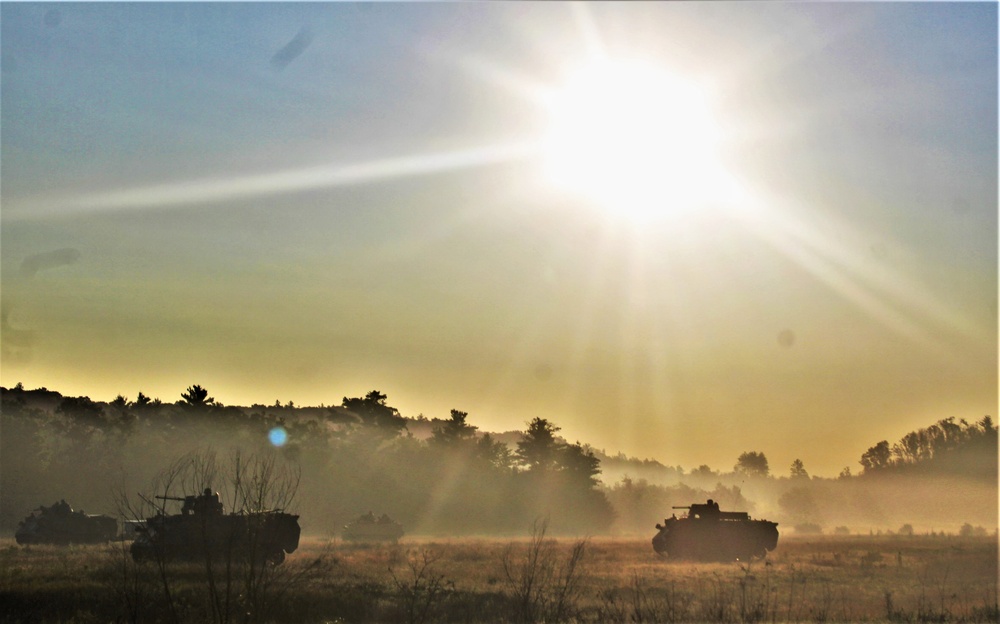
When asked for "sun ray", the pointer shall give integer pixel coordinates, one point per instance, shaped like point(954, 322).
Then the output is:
point(587, 29)
point(219, 189)
point(887, 296)
point(454, 470)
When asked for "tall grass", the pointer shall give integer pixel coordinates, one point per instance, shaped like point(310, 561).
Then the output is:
point(543, 586)
point(421, 592)
point(534, 579)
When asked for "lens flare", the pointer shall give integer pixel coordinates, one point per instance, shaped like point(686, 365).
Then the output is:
point(278, 436)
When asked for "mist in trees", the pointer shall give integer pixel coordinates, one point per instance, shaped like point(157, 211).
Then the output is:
point(445, 476)
point(752, 463)
point(943, 447)
point(374, 413)
point(934, 479)
point(355, 457)
point(798, 470)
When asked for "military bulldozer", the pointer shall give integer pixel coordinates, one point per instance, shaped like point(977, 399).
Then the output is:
point(368, 528)
point(204, 532)
point(706, 533)
point(59, 524)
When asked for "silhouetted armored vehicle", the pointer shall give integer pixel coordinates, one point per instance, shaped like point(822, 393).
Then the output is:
point(709, 534)
point(59, 524)
point(367, 528)
point(204, 531)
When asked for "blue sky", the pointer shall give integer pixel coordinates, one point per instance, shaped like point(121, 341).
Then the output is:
point(365, 216)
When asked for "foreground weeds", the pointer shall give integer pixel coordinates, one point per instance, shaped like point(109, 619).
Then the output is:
point(535, 579)
point(544, 586)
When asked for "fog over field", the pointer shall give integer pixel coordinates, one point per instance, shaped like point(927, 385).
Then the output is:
point(445, 477)
point(519, 526)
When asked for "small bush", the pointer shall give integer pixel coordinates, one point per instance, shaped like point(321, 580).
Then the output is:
point(542, 588)
point(421, 591)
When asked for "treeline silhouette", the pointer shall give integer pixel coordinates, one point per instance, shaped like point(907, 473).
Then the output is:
point(445, 476)
point(941, 477)
point(946, 446)
point(355, 457)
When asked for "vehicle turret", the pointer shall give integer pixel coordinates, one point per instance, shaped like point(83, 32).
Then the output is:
point(205, 503)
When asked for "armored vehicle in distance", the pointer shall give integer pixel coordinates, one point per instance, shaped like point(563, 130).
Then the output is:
point(706, 533)
point(203, 531)
point(59, 524)
point(367, 528)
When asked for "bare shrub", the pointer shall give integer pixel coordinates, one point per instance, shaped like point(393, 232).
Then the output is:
point(543, 588)
point(423, 590)
point(238, 575)
point(135, 581)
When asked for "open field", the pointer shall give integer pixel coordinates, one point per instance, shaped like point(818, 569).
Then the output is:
point(841, 579)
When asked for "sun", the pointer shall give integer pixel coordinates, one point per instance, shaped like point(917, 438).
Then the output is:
point(634, 139)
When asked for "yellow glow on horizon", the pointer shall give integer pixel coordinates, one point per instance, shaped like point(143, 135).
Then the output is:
point(639, 141)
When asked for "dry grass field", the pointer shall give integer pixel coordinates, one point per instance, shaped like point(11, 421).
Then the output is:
point(835, 579)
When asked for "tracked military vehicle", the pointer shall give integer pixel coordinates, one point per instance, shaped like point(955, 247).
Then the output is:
point(203, 531)
point(706, 533)
point(59, 524)
point(368, 528)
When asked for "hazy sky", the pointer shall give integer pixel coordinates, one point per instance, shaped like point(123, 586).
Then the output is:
point(310, 201)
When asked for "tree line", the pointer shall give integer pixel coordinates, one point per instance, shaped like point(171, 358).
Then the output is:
point(362, 455)
point(944, 446)
point(355, 457)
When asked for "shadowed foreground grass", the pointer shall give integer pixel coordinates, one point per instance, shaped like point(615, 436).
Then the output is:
point(842, 579)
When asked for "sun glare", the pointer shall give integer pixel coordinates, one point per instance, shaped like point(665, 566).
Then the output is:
point(638, 141)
